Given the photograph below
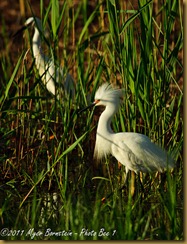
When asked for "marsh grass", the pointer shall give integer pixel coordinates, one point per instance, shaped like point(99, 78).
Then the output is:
point(49, 179)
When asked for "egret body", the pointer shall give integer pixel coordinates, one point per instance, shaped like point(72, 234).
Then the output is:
point(52, 75)
point(135, 151)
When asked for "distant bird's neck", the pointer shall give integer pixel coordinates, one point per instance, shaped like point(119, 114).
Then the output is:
point(40, 59)
point(36, 43)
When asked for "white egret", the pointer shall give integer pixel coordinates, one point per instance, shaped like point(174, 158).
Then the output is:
point(51, 74)
point(135, 151)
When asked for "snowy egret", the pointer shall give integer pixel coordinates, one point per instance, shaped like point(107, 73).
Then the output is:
point(51, 74)
point(135, 151)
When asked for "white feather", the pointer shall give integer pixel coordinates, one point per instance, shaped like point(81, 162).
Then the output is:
point(134, 150)
point(51, 74)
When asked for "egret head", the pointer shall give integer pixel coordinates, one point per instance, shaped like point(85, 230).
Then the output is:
point(106, 95)
point(31, 21)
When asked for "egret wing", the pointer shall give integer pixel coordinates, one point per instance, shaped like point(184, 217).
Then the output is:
point(138, 153)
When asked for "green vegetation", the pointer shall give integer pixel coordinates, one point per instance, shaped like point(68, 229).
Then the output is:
point(51, 188)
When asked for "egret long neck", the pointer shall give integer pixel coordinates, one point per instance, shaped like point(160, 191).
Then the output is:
point(104, 125)
point(40, 59)
point(104, 131)
point(36, 42)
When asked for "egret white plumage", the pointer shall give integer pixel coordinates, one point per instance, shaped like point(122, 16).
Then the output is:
point(52, 75)
point(135, 151)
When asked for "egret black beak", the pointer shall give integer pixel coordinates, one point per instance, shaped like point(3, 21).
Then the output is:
point(20, 30)
point(89, 106)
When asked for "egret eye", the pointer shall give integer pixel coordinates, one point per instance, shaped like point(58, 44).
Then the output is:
point(97, 101)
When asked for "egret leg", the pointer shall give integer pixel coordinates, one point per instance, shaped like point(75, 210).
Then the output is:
point(140, 181)
point(124, 184)
point(126, 176)
point(120, 189)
